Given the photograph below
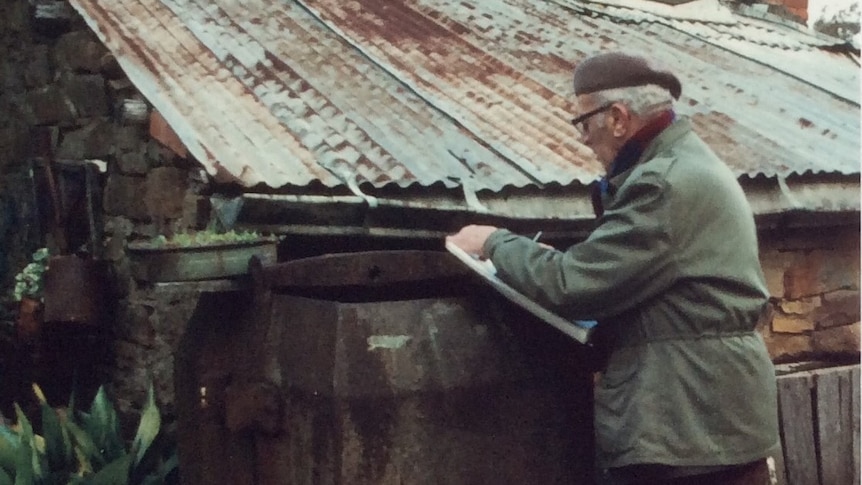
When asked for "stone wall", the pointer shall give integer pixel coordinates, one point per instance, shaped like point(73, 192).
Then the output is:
point(64, 99)
point(813, 278)
point(22, 70)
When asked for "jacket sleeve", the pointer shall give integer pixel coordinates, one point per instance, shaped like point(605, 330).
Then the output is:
point(624, 262)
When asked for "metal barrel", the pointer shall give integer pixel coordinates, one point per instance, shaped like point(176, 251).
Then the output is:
point(391, 367)
point(75, 290)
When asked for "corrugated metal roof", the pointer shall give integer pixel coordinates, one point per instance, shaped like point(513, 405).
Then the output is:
point(455, 92)
point(707, 11)
point(786, 48)
point(710, 19)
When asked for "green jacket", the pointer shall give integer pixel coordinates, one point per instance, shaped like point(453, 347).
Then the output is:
point(673, 276)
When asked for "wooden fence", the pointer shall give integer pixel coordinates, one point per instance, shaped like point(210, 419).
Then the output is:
point(819, 412)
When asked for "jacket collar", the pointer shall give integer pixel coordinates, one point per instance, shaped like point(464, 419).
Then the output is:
point(646, 144)
point(660, 143)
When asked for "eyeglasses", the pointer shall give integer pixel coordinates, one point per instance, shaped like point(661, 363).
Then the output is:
point(580, 122)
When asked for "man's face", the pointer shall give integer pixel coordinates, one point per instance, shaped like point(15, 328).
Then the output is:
point(597, 131)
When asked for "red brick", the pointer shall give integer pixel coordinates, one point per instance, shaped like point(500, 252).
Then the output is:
point(839, 269)
point(800, 5)
point(774, 264)
point(162, 132)
point(788, 347)
point(801, 278)
point(802, 306)
point(838, 308)
point(816, 272)
point(791, 324)
point(802, 13)
point(841, 340)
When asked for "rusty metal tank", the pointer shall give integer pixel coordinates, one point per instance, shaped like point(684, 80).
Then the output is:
point(75, 290)
point(387, 367)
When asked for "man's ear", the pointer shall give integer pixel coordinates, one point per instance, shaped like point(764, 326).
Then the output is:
point(620, 118)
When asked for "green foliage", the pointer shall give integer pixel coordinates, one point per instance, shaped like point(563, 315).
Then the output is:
point(29, 282)
point(148, 428)
point(102, 426)
point(85, 448)
point(204, 238)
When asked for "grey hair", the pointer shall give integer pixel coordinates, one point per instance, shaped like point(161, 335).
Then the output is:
point(644, 101)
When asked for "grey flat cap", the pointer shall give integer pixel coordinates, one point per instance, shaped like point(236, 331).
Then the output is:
point(617, 70)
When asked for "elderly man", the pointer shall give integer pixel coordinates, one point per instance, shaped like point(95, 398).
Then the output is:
point(686, 393)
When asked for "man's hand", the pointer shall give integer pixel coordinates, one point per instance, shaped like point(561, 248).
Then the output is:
point(472, 238)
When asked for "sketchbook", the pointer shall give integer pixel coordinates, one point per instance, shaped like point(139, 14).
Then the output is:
point(578, 330)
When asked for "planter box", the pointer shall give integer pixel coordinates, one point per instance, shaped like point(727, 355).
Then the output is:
point(216, 261)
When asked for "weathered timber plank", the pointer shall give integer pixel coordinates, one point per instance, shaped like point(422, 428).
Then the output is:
point(780, 467)
point(834, 426)
point(855, 405)
point(797, 429)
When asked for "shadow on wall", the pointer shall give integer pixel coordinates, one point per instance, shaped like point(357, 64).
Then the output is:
point(7, 221)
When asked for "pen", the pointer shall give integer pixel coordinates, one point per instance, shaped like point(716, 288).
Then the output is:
point(537, 236)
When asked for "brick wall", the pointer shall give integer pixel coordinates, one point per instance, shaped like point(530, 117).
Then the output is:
point(793, 9)
point(813, 278)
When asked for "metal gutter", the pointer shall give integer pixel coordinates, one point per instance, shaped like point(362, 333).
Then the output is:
point(803, 204)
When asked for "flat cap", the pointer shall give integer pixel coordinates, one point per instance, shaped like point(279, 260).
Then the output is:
point(617, 70)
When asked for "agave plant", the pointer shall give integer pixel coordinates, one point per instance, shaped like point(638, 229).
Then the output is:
point(84, 448)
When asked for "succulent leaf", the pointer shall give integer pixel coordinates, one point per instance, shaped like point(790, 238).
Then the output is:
point(148, 428)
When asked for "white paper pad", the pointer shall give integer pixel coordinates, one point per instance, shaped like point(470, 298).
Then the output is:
point(486, 270)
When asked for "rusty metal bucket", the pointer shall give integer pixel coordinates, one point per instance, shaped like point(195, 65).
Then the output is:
point(379, 368)
point(74, 290)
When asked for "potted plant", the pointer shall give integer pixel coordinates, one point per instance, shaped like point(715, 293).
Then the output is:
point(200, 255)
point(29, 293)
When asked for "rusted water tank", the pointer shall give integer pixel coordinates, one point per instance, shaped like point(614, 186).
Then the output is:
point(74, 290)
point(380, 368)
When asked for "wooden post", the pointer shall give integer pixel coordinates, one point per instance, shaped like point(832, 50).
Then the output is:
point(797, 429)
point(834, 426)
point(855, 404)
point(820, 431)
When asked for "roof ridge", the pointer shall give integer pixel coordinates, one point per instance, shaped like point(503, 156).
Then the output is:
point(742, 14)
point(691, 11)
point(764, 15)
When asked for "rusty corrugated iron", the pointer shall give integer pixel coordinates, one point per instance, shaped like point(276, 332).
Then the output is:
point(789, 48)
point(712, 19)
point(467, 93)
